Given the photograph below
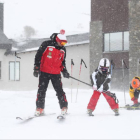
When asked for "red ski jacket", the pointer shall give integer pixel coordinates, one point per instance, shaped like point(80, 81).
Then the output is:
point(51, 61)
point(50, 58)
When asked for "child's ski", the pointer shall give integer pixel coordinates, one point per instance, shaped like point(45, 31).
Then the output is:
point(31, 117)
point(131, 107)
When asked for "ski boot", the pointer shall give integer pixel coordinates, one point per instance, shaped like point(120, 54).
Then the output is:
point(89, 112)
point(64, 111)
point(135, 107)
point(116, 112)
point(39, 112)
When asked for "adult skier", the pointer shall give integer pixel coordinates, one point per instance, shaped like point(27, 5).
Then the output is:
point(101, 79)
point(49, 63)
point(134, 91)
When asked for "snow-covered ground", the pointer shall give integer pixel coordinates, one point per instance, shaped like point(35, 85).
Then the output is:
point(77, 125)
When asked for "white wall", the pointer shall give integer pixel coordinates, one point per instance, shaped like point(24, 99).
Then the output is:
point(77, 53)
point(4, 69)
point(29, 82)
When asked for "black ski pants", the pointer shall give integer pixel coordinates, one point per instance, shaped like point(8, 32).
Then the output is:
point(44, 79)
point(136, 94)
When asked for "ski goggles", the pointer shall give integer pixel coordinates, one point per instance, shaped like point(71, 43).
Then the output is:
point(104, 68)
point(63, 43)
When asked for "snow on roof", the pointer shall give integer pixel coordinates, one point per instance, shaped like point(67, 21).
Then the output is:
point(77, 43)
point(21, 43)
point(69, 44)
point(14, 49)
point(33, 45)
point(32, 49)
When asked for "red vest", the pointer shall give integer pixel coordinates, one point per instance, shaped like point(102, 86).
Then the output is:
point(51, 61)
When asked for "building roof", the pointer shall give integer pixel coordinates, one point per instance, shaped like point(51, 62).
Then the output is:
point(32, 45)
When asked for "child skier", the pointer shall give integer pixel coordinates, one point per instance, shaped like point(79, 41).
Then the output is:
point(134, 91)
point(101, 79)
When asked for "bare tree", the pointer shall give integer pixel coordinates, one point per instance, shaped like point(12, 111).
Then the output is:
point(29, 31)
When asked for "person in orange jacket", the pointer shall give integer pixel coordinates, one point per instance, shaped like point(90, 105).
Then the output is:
point(134, 91)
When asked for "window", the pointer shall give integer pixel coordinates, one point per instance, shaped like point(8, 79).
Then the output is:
point(126, 40)
point(106, 42)
point(115, 41)
point(118, 41)
point(0, 69)
point(14, 71)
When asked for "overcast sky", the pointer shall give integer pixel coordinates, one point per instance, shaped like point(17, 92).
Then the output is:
point(46, 16)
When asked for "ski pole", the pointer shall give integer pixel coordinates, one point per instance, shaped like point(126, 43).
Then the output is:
point(80, 81)
point(72, 64)
point(123, 63)
point(138, 63)
point(112, 66)
point(82, 61)
point(85, 82)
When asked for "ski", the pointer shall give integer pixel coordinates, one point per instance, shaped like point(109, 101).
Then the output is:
point(129, 107)
point(60, 117)
point(25, 118)
point(133, 108)
point(31, 117)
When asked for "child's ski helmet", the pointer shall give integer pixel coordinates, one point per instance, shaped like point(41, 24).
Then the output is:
point(104, 66)
point(135, 83)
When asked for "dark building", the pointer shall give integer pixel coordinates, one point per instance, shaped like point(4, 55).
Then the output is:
point(114, 32)
point(1, 16)
point(4, 41)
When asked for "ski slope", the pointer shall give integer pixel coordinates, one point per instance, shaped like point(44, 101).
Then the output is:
point(77, 125)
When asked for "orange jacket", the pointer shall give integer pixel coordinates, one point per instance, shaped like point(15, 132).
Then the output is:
point(132, 90)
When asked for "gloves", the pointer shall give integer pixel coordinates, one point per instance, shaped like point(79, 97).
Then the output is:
point(65, 73)
point(36, 71)
point(135, 100)
point(101, 88)
point(94, 87)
